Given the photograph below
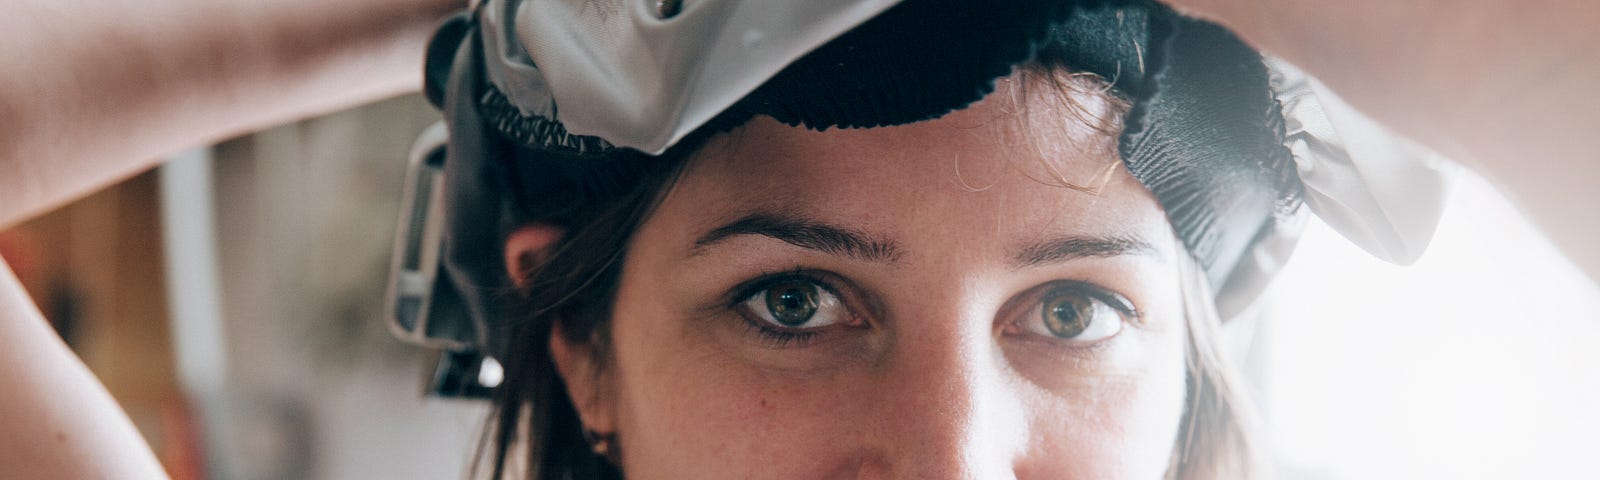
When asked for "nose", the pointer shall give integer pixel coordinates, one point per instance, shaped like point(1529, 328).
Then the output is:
point(945, 408)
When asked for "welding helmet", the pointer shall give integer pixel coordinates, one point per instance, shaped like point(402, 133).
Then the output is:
point(535, 93)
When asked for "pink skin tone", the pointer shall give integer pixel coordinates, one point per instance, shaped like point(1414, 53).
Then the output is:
point(939, 364)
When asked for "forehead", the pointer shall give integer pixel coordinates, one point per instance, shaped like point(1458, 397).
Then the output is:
point(1013, 165)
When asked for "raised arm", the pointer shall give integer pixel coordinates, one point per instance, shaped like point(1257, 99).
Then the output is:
point(91, 92)
point(1508, 87)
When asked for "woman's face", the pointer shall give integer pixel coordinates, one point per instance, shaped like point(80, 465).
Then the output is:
point(920, 301)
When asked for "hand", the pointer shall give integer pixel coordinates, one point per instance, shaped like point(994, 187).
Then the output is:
point(1508, 87)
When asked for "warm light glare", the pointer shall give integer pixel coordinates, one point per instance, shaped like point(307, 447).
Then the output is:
point(1480, 361)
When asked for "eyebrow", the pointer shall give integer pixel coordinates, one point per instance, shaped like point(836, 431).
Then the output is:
point(1071, 247)
point(804, 233)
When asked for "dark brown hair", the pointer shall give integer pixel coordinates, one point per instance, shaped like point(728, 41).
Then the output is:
point(575, 285)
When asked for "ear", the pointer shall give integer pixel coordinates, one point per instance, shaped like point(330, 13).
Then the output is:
point(527, 247)
point(587, 385)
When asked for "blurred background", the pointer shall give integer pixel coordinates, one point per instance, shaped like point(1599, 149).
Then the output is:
point(232, 302)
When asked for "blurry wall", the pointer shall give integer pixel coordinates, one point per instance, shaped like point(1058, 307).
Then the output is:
point(319, 389)
point(313, 385)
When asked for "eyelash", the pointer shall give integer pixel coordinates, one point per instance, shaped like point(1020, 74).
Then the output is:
point(778, 338)
point(1131, 315)
point(1117, 302)
point(769, 336)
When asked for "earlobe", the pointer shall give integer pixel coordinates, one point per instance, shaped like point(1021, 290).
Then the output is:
point(527, 246)
point(585, 385)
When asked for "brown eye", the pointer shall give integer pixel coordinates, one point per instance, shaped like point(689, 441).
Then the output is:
point(792, 303)
point(1068, 315)
point(1073, 314)
point(795, 303)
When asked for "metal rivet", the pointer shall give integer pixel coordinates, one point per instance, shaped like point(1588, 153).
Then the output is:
point(669, 8)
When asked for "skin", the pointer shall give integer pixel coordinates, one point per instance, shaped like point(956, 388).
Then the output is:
point(189, 71)
point(1506, 87)
point(943, 370)
point(82, 433)
point(93, 93)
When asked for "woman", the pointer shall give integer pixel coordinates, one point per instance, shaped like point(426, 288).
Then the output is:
point(990, 367)
point(982, 293)
point(879, 318)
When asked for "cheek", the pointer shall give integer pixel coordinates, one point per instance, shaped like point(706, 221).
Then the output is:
point(693, 413)
point(1123, 426)
point(1113, 415)
point(689, 410)
point(1122, 423)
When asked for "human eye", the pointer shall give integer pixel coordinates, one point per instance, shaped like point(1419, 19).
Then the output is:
point(1074, 313)
point(791, 309)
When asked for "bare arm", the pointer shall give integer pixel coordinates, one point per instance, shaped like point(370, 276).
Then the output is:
point(1509, 87)
point(55, 420)
point(94, 92)
point(91, 92)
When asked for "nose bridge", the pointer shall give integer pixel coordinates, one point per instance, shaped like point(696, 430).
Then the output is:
point(948, 411)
